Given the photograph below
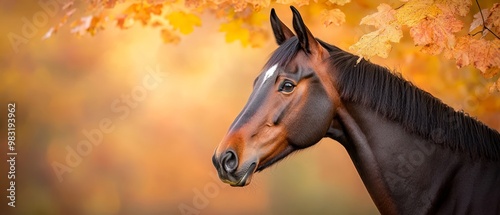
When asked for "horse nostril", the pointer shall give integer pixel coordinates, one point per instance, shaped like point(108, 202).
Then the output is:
point(230, 161)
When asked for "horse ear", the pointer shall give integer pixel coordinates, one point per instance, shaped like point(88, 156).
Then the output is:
point(306, 39)
point(281, 32)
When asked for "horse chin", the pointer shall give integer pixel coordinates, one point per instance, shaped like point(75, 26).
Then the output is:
point(247, 177)
point(288, 150)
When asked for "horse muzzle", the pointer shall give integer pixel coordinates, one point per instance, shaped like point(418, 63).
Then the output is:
point(227, 169)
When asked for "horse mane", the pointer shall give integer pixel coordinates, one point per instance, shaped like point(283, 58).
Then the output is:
point(284, 53)
point(417, 111)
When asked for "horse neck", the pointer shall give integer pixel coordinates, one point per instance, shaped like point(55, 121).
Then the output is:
point(404, 173)
point(366, 162)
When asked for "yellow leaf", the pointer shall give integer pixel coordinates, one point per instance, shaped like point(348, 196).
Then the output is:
point(458, 7)
point(169, 36)
point(238, 6)
point(258, 37)
point(235, 31)
point(378, 42)
point(183, 22)
point(339, 2)
point(416, 10)
point(482, 54)
point(139, 12)
point(335, 17)
point(436, 34)
point(192, 4)
point(96, 25)
point(299, 3)
point(257, 18)
point(155, 9)
point(259, 4)
point(383, 17)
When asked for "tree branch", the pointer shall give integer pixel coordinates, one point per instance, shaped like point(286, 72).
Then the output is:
point(484, 22)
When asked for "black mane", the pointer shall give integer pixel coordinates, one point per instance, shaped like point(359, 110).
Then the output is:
point(400, 101)
point(284, 53)
point(416, 110)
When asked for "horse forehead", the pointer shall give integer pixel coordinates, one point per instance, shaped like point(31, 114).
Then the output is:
point(270, 72)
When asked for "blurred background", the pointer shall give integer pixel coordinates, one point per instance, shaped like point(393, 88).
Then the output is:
point(157, 158)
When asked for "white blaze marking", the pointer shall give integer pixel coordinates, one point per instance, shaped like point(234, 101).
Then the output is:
point(270, 72)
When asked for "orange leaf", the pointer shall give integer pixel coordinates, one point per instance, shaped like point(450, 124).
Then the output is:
point(239, 6)
point(110, 4)
point(156, 23)
point(299, 3)
point(478, 20)
point(142, 15)
point(436, 34)
point(495, 87)
point(124, 21)
point(155, 9)
point(259, 4)
point(339, 2)
point(493, 19)
point(334, 16)
point(169, 36)
point(458, 7)
point(140, 11)
point(482, 54)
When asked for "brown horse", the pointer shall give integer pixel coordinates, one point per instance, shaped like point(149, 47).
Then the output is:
point(415, 154)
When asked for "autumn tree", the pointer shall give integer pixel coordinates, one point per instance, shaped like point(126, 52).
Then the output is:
point(437, 26)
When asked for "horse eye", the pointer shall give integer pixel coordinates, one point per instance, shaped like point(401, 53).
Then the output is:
point(287, 87)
